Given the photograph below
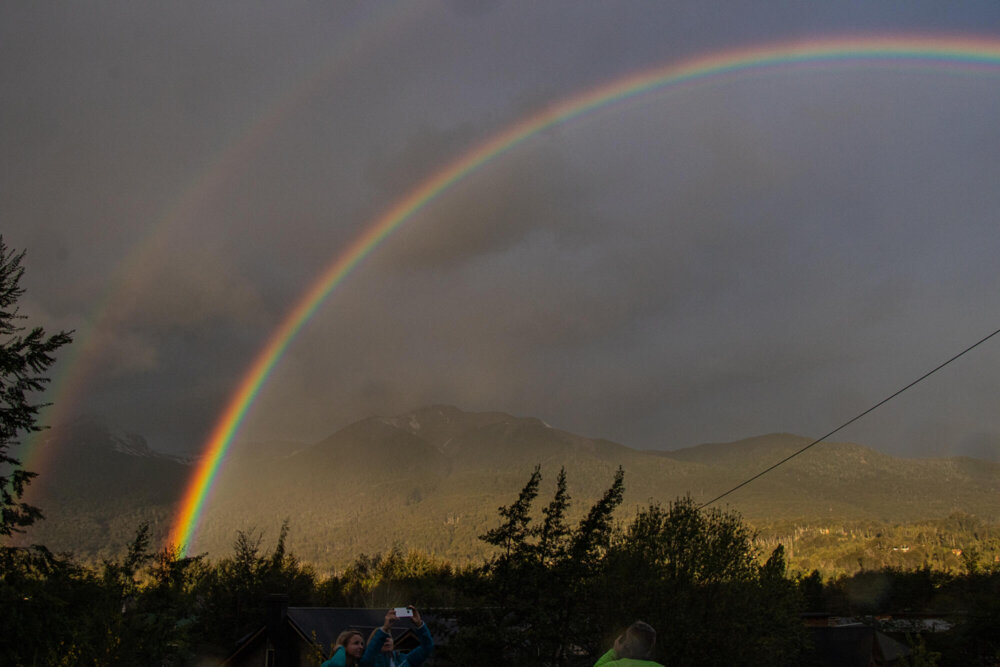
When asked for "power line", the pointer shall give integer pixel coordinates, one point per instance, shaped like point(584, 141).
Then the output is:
point(850, 421)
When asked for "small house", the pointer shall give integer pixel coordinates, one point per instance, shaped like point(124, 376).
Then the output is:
point(304, 636)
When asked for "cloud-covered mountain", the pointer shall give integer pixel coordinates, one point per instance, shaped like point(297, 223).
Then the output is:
point(433, 478)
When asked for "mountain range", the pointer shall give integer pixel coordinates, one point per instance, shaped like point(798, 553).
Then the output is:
point(432, 479)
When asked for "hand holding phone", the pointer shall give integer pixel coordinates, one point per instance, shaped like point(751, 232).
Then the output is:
point(403, 612)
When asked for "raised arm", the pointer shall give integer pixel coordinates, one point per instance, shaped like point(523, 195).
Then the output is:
point(422, 652)
point(378, 640)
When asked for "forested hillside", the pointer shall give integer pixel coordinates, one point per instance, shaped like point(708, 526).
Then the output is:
point(433, 478)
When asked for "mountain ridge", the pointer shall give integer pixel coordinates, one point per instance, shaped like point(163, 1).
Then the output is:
point(432, 479)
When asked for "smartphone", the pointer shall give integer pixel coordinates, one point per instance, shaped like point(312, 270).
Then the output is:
point(404, 612)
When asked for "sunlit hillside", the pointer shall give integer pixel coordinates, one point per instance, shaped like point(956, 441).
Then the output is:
point(433, 479)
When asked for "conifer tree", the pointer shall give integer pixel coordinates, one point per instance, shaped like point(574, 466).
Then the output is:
point(535, 592)
point(24, 358)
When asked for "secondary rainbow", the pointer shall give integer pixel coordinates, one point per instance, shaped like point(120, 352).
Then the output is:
point(935, 52)
point(96, 337)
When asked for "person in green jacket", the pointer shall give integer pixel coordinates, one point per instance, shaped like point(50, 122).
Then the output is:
point(632, 649)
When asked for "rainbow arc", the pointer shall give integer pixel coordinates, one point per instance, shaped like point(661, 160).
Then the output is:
point(947, 53)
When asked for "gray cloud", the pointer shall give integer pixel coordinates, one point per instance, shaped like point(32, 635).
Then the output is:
point(773, 251)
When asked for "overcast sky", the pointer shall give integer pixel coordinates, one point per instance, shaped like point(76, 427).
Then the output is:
point(771, 252)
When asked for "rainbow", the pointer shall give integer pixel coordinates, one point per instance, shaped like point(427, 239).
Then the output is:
point(935, 52)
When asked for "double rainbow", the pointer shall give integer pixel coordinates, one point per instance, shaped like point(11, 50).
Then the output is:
point(948, 53)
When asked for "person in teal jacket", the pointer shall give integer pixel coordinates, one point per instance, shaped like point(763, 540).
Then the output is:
point(381, 640)
point(350, 651)
point(631, 649)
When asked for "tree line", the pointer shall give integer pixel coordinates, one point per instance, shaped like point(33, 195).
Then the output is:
point(550, 592)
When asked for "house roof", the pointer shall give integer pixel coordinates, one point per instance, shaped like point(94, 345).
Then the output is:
point(855, 645)
point(324, 624)
point(891, 649)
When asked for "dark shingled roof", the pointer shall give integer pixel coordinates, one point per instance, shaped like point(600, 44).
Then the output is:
point(324, 624)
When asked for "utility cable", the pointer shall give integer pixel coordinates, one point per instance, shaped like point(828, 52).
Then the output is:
point(850, 421)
